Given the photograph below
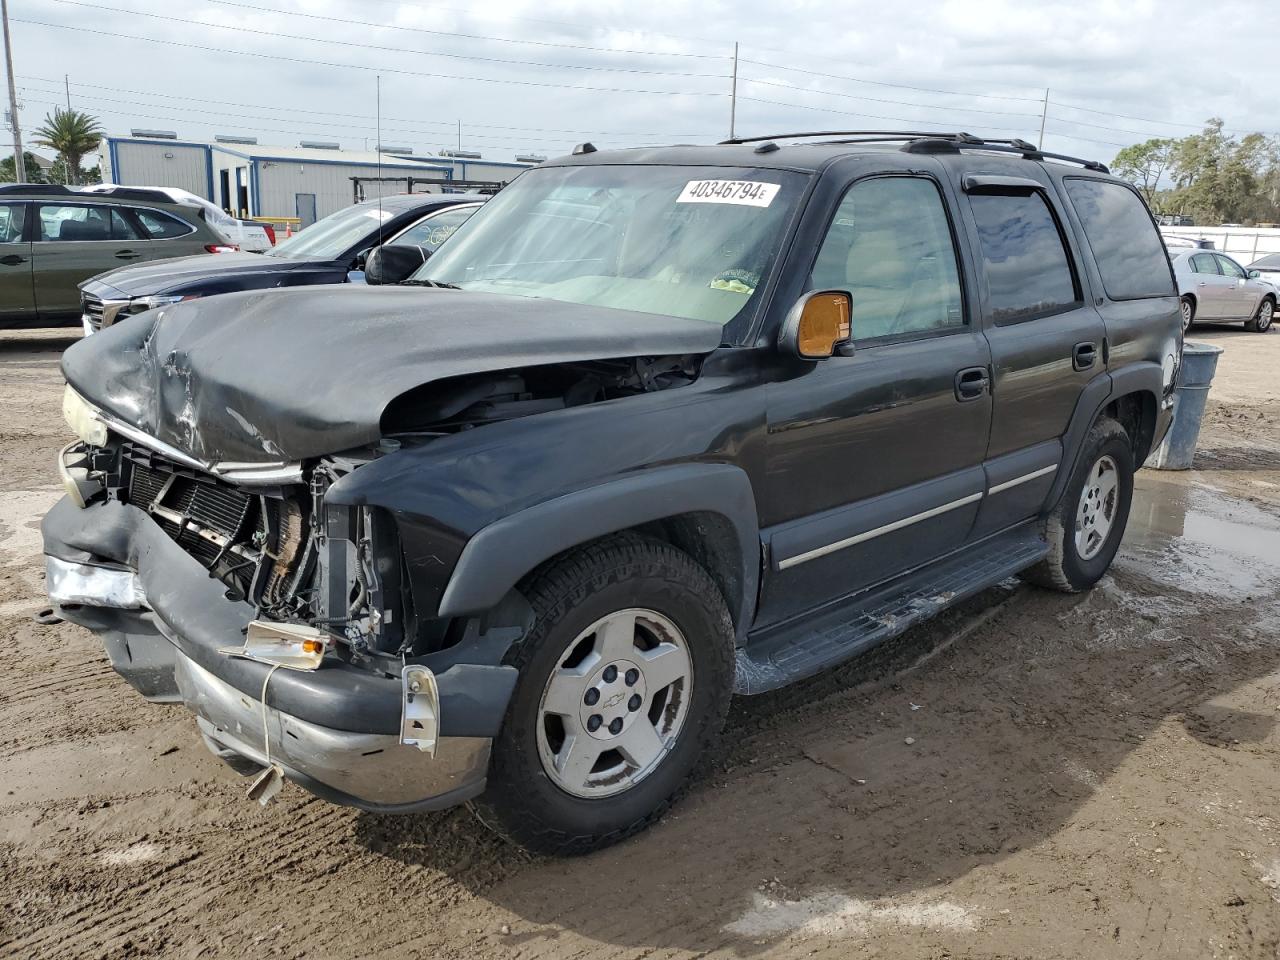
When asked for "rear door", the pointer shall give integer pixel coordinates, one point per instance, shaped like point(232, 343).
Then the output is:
point(75, 241)
point(1214, 294)
point(17, 295)
point(169, 235)
point(875, 459)
point(1244, 295)
point(1046, 339)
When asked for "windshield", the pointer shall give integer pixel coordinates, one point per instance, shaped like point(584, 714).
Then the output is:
point(692, 242)
point(1271, 262)
point(330, 238)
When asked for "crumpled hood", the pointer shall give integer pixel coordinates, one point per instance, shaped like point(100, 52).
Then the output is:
point(265, 376)
point(190, 274)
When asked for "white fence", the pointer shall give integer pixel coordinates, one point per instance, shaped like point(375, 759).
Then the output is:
point(1245, 244)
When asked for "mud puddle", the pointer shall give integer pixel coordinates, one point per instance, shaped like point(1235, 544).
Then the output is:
point(1200, 541)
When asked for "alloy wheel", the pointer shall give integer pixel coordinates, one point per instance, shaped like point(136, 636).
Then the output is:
point(615, 704)
point(1096, 512)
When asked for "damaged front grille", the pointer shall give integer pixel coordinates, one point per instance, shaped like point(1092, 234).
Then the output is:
point(247, 540)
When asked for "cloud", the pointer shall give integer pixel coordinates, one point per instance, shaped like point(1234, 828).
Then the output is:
point(1134, 59)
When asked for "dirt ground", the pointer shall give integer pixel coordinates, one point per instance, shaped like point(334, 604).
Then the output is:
point(1033, 775)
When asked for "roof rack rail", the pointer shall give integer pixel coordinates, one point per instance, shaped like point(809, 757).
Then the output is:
point(886, 134)
point(137, 194)
point(933, 142)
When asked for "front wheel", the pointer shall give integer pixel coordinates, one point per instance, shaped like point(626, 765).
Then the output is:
point(1085, 528)
point(625, 680)
point(1262, 320)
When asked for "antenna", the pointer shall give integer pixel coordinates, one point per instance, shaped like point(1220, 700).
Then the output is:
point(378, 101)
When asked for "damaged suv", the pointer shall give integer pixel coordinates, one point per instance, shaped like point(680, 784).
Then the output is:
point(656, 427)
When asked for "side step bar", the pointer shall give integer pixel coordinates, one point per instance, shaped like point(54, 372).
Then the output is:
point(792, 651)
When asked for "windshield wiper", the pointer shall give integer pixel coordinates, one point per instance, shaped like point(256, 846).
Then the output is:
point(430, 283)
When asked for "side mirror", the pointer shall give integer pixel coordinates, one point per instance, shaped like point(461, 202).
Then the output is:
point(818, 326)
point(393, 262)
point(1254, 274)
point(359, 261)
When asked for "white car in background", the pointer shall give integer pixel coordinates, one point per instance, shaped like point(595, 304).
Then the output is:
point(245, 235)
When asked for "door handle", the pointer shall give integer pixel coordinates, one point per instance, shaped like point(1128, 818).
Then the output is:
point(12, 260)
point(127, 255)
point(972, 383)
point(1084, 355)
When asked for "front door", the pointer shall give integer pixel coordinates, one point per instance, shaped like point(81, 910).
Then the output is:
point(75, 241)
point(17, 295)
point(875, 459)
point(1244, 295)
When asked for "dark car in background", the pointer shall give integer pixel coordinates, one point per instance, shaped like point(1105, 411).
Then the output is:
point(329, 251)
point(53, 237)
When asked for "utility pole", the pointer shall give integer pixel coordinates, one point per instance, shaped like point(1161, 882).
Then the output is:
point(1044, 115)
point(459, 134)
point(67, 80)
point(19, 161)
point(733, 93)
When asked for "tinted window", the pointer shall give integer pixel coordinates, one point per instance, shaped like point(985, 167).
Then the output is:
point(1124, 241)
point(12, 218)
point(1230, 268)
point(161, 226)
point(1204, 263)
point(1270, 262)
point(890, 246)
point(435, 230)
point(1028, 273)
point(83, 222)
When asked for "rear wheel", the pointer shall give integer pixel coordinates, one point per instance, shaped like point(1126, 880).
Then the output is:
point(625, 681)
point(1188, 313)
point(1261, 321)
point(1085, 528)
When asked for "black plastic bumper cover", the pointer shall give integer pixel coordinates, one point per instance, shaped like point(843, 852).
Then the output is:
point(199, 620)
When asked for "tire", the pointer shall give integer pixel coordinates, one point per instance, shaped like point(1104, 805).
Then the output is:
point(672, 598)
point(1261, 321)
point(1068, 568)
point(1188, 313)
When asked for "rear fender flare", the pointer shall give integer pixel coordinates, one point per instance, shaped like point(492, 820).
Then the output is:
point(502, 553)
point(1142, 377)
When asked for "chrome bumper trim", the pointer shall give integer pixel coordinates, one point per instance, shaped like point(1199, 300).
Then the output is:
point(373, 771)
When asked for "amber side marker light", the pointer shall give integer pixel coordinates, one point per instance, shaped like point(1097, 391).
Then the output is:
point(818, 324)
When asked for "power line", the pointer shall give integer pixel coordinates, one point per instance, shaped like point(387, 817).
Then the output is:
point(875, 116)
point(356, 66)
point(900, 103)
point(885, 83)
point(464, 36)
point(491, 142)
point(380, 48)
point(349, 116)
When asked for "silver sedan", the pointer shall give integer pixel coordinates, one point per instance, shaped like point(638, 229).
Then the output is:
point(1215, 287)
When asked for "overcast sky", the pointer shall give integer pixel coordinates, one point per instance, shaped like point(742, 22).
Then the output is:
point(540, 77)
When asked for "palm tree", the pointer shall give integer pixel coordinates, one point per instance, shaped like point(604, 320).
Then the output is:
point(73, 134)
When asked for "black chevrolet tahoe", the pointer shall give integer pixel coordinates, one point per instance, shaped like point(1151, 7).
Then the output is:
point(656, 427)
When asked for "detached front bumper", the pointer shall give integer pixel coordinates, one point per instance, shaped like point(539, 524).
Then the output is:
point(335, 730)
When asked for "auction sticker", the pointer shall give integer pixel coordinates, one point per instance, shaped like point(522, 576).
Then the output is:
point(748, 193)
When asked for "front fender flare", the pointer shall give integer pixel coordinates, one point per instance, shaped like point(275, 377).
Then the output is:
point(503, 552)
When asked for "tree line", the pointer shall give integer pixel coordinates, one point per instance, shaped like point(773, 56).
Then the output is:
point(1211, 176)
point(71, 134)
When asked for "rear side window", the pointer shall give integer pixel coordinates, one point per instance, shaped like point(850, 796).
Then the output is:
point(1124, 241)
point(161, 226)
point(1028, 272)
point(1204, 263)
point(890, 246)
point(12, 219)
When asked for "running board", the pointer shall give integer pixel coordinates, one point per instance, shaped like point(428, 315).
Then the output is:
point(792, 651)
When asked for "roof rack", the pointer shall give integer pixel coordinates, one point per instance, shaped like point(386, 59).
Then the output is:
point(932, 142)
point(137, 194)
